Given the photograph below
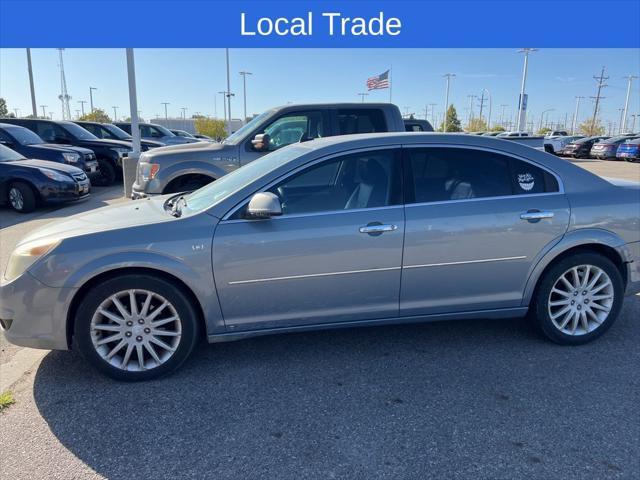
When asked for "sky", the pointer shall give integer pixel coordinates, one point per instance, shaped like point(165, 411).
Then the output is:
point(191, 78)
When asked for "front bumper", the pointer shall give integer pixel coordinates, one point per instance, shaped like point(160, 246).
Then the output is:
point(66, 192)
point(35, 314)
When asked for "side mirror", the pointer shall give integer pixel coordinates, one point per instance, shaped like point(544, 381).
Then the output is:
point(260, 142)
point(264, 205)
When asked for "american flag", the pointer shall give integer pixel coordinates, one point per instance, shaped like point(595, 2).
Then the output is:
point(379, 81)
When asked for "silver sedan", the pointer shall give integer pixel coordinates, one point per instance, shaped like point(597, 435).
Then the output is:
point(337, 232)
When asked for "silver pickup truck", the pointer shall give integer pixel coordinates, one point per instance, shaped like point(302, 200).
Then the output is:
point(188, 167)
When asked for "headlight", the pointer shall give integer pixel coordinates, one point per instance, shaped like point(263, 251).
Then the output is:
point(148, 171)
point(71, 157)
point(25, 255)
point(122, 152)
point(53, 175)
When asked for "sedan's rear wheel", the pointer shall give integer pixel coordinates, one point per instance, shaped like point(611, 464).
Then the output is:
point(578, 299)
point(136, 327)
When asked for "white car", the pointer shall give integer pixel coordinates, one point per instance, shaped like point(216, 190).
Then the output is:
point(555, 144)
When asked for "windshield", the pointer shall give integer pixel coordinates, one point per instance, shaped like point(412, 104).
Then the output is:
point(215, 192)
point(24, 136)
point(238, 135)
point(8, 155)
point(77, 131)
point(165, 131)
point(116, 132)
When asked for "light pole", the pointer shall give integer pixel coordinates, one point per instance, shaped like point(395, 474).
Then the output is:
point(16, 110)
point(91, 89)
point(228, 92)
point(50, 115)
point(224, 105)
point(362, 95)
point(490, 107)
point(448, 76)
point(521, 107)
point(82, 102)
point(166, 116)
point(44, 114)
point(620, 127)
point(31, 87)
point(471, 99)
point(502, 106)
point(633, 124)
point(244, 92)
point(115, 113)
point(575, 115)
point(626, 103)
point(433, 113)
point(542, 117)
point(184, 112)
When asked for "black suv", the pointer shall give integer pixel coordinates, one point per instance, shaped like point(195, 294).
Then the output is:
point(109, 131)
point(27, 143)
point(109, 153)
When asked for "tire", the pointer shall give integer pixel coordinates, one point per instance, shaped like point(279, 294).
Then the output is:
point(21, 197)
point(132, 335)
point(107, 173)
point(177, 186)
point(548, 305)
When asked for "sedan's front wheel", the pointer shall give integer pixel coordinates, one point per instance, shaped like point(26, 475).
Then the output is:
point(136, 327)
point(578, 299)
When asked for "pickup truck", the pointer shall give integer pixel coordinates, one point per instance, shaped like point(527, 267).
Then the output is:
point(179, 168)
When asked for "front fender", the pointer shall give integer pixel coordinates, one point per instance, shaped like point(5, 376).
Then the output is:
point(575, 238)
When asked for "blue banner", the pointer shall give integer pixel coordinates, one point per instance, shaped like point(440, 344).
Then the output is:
point(346, 23)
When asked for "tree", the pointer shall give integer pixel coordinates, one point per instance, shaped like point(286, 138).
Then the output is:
point(498, 128)
point(3, 107)
point(589, 128)
point(453, 124)
point(211, 127)
point(477, 125)
point(544, 131)
point(98, 115)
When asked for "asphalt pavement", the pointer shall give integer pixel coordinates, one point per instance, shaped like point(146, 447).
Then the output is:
point(481, 399)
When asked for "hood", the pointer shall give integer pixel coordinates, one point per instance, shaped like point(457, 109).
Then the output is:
point(151, 143)
point(101, 142)
point(206, 150)
point(61, 148)
point(114, 217)
point(621, 182)
point(58, 167)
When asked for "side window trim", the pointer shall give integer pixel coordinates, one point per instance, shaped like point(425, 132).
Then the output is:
point(232, 211)
point(409, 193)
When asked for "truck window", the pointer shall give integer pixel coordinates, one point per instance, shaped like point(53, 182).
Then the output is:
point(361, 120)
point(295, 127)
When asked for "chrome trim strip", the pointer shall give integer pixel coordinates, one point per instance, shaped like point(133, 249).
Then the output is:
point(312, 275)
point(484, 260)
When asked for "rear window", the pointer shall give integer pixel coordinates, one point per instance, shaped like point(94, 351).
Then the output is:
point(361, 120)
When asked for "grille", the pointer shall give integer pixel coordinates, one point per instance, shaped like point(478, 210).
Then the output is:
point(79, 177)
point(90, 156)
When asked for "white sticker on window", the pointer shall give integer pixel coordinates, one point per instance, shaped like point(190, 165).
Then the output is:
point(526, 181)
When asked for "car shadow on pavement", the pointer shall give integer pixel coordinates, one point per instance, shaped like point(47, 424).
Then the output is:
point(465, 399)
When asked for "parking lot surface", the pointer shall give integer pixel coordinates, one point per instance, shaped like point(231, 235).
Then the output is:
point(463, 399)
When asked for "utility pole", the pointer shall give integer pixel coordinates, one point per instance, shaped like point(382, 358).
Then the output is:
point(228, 94)
point(16, 110)
point(166, 115)
point(244, 93)
point(44, 114)
point(521, 103)
point(502, 106)
point(115, 113)
point(620, 127)
point(623, 125)
point(633, 125)
point(184, 112)
point(362, 95)
point(575, 115)
point(32, 88)
point(433, 114)
point(50, 115)
point(82, 102)
point(542, 117)
point(91, 89)
point(601, 79)
point(471, 99)
point(224, 104)
point(448, 76)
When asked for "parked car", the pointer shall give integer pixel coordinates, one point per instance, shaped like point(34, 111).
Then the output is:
point(188, 167)
point(513, 134)
point(556, 144)
point(339, 232)
point(606, 149)
point(26, 183)
point(557, 133)
point(206, 138)
point(183, 133)
point(491, 134)
point(629, 150)
point(109, 131)
point(582, 147)
point(158, 133)
point(417, 125)
point(30, 145)
point(109, 153)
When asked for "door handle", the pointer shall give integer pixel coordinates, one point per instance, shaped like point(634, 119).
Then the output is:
point(377, 228)
point(534, 216)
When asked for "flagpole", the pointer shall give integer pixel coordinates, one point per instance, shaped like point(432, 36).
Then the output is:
point(390, 82)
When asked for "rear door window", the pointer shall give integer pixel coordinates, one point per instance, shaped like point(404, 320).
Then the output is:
point(361, 120)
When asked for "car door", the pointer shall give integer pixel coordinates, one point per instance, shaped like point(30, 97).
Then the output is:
point(290, 127)
point(476, 222)
point(333, 256)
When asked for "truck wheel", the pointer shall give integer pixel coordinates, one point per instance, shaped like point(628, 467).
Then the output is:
point(21, 197)
point(136, 327)
point(107, 173)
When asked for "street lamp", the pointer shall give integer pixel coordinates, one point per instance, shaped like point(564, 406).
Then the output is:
point(166, 117)
point(448, 76)
point(115, 113)
point(82, 102)
point(623, 123)
point(521, 107)
point(244, 92)
point(362, 95)
point(44, 114)
point(542, 117)
point(91, 89)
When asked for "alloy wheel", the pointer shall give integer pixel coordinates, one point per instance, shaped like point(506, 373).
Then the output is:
point(581, 300)
point(16, 199)
point(136, 330)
